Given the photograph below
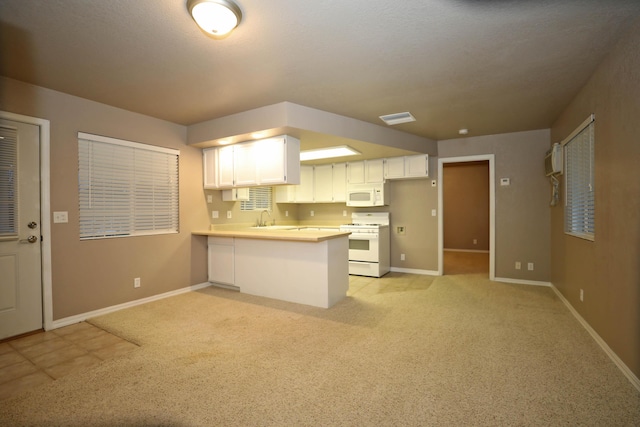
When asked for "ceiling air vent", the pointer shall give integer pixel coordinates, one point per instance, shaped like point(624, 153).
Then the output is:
point(397, 118)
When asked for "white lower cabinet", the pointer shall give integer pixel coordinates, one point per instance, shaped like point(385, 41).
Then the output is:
point(221, 257)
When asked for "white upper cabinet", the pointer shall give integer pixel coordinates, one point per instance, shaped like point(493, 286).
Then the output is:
point(245, 164)
point(340, 182)
point(355, 172)
point(235, 194)
point(265, 162)
point(304, 191)
point(224, 164)
point(323, 183)
point(416, 166)
point(394, 168)
point(365, 171)
point(278, 158)
point(318, 184)
point(374, 171)
point(209, 167)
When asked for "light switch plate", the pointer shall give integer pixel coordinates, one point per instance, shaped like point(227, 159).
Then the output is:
point(505, 182)
point(60, 217)
point(209, 198)
point(214, 214)
point(228, 214)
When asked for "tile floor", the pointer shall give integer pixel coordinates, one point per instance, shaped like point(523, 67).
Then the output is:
point(46, 356)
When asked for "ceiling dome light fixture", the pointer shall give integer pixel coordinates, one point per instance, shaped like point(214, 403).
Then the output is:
point(215, 17)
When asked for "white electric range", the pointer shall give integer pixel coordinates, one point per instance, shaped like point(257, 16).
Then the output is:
point(369, 246)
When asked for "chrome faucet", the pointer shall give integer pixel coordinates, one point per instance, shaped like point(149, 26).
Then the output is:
point(262, 223)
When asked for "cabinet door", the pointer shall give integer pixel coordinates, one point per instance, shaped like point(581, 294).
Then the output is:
point(394, 168)
point(374, 171)
point(221, 262)
point(209, 167)
point(340, 182)
point(323, 184)
point(355, 172)
point(244, 161)
point(235, 194)
point(224, 163)
point(271, 159)
point(286, 193)
point(417, 166)
point(304, 191)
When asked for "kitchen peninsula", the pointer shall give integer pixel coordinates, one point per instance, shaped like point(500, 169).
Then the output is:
point(290, 263)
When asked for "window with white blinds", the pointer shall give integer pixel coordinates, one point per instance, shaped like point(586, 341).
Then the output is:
point(8, 183)
point(126, 188)
point(259, 199)
point(579, 179)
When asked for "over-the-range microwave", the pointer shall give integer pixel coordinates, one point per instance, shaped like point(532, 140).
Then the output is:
point(364, 195)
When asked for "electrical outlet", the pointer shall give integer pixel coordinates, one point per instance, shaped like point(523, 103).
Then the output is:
point(400, 229)
point(433, 212)
point(209, 198)
point(344, 213)
point(215, 214)
point(401, 257)
point(475, 241)
point(286, 213)
point(136, 282)
point(312, 213)
point(581, 295)
point(228, 214)
point(518, 265)
point(530, 266)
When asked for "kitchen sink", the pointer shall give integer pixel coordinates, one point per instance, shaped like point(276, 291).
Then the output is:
point(275, 227)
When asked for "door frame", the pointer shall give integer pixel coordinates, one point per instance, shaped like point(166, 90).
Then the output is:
point(492, 208)
point(45, 210)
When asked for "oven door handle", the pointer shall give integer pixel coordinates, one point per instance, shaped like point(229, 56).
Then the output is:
point(363, 236)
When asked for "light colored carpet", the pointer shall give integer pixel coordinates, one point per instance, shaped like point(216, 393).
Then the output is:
point(403, 350)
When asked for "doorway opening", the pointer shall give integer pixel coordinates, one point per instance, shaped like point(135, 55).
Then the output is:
point(466, 220)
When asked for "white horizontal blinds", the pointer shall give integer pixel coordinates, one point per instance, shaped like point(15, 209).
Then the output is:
point(156, 192)
point(8, 182)
point(580, 187)
point(125, 188)
point(259, 199)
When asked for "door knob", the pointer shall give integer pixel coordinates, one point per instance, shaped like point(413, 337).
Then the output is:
point(30, 239)
point(32, 225)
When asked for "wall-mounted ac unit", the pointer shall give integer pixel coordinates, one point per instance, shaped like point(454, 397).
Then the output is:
point(553, 160)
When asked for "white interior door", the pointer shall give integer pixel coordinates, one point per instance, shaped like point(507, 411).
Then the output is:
point(20, 229)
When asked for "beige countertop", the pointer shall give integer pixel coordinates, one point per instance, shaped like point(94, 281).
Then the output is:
point(297, 233)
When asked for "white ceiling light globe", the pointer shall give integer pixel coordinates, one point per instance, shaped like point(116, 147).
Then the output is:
point(216, 17)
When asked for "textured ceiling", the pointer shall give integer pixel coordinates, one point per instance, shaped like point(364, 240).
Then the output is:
point(492, 66)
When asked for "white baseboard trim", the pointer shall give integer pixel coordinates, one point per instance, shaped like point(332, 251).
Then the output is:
point(84, 316)
point(414, 271)
point(521, 282)
point(612, 355)
point(467, 250)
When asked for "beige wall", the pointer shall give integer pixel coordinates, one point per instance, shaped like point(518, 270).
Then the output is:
point(607, 269)
point(90, 275)
point(465, 200)
point(522, 209)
